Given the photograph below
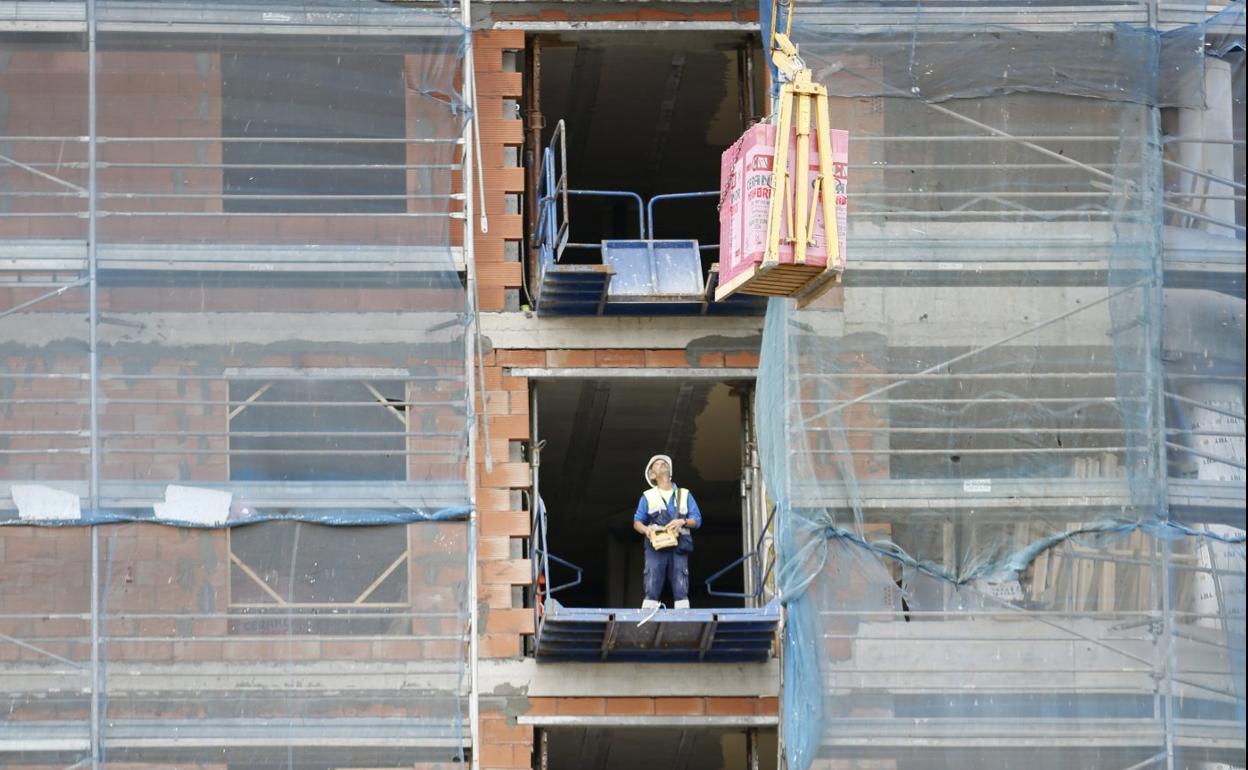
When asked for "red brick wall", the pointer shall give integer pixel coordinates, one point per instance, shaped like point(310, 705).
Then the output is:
point(44, 393)
point(505, 745)
point(196, 444)
point(44, 573)
point(152, 96)
point(158, 94)
point(188, 450)
point(46, 97)
point(500, 516)
point(165, 597)
point(165, 572)
point(497, 276)
point(658, 706)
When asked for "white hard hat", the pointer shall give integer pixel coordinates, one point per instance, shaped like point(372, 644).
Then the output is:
point(651, 461)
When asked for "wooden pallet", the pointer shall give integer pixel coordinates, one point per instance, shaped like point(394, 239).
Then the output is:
point(780, 280)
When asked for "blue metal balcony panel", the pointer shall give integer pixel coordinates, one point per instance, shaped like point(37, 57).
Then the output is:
point(573, 289)
point(656, 306)
point(639, 278)
point(722, 635)
point(654, 271)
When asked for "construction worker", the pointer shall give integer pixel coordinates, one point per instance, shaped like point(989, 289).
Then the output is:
point(666, 507)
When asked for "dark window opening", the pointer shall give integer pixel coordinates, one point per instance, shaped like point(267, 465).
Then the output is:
point(302, 578)
point(599, 435)
point(310, 98)
point(310, 579)
point(606, 748)
point(318, 430)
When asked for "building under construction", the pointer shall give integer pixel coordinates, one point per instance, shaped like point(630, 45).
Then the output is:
point(335, 336)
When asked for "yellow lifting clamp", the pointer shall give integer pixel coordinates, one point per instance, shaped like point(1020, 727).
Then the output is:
point(796, 96)
point(799, 254)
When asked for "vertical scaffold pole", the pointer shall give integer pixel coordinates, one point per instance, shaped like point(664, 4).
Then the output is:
point(1154, 305)
point(470, 340)
point(93, 367)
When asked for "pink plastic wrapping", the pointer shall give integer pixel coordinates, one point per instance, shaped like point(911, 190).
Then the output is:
point(746, 185)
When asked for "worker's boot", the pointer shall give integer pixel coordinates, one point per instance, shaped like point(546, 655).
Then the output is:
point(681, 604)
point(650, 604)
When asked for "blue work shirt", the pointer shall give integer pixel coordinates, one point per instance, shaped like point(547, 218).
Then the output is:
point(663, 517)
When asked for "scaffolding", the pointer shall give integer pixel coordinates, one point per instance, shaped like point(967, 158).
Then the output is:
point(1006, 456)
point(233, 314)
point(1009, 456)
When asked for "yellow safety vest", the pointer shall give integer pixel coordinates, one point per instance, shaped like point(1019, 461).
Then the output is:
point(655, 503)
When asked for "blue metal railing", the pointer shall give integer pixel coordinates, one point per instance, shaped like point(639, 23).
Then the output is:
point(553, 239)
point(552, 223)
point(649, 228)
point(641, 211)
point(552, 229)
point(761, 573)
point(540, 557)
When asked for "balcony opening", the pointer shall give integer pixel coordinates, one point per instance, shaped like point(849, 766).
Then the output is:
point(624, 748)
point(626, 133)
point(599, 434)
point(318, 430)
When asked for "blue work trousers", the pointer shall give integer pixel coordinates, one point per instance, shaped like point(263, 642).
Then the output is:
point(666, 566)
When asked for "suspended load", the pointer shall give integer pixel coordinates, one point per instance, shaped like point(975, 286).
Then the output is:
point(783, 195)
